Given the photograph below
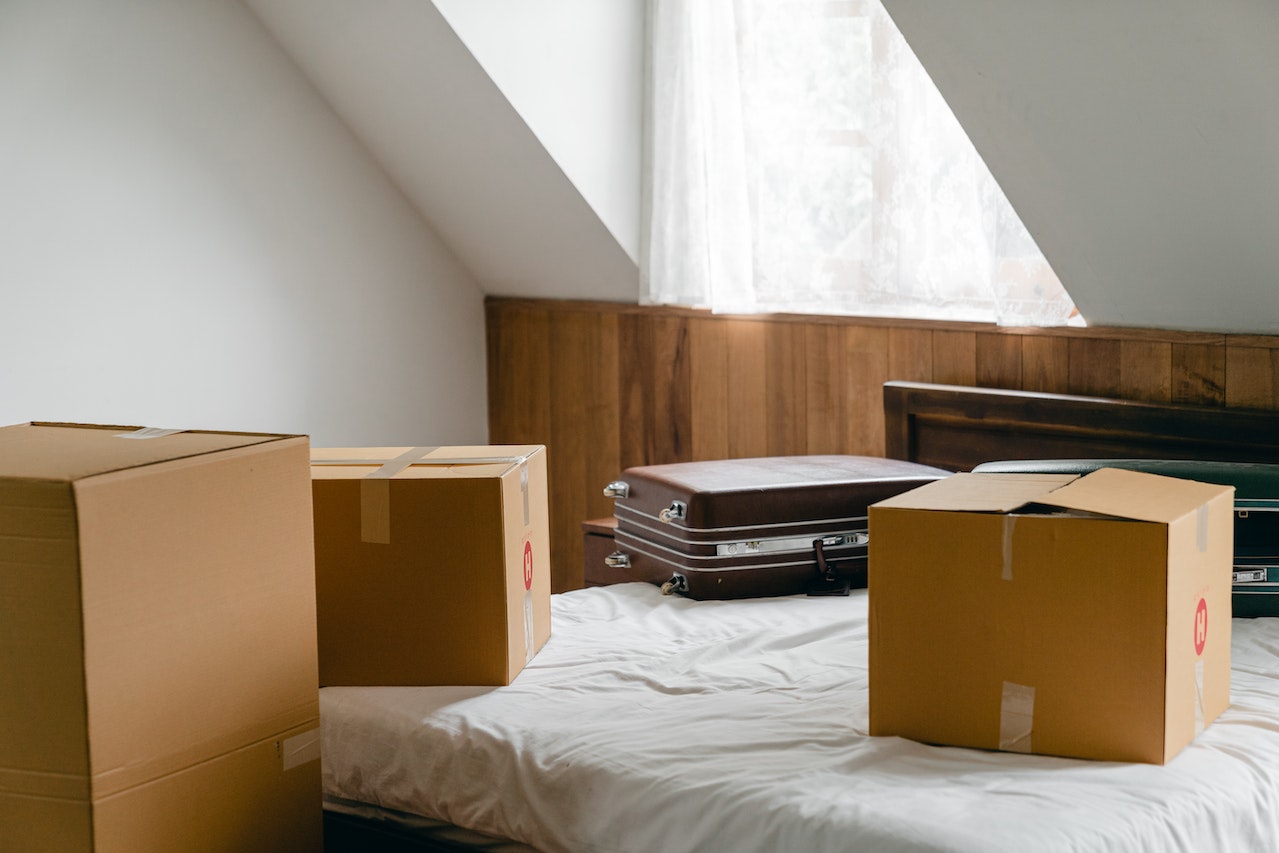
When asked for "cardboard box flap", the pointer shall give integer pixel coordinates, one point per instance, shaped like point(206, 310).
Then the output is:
point(1135, 494)
point(352, 462)
point(70, 452)
point(980, 492)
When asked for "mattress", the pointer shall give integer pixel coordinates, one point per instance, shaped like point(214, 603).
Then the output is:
point(653, 722)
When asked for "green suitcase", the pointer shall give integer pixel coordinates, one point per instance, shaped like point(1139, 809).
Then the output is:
point(1255, 591)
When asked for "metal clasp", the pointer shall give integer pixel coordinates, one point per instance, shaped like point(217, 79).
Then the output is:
point(677, 583)
point(674, 512)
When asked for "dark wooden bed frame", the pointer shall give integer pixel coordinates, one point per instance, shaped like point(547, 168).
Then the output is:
point(956, 428)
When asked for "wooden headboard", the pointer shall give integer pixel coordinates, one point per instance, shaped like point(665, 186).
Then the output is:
point(956, 427)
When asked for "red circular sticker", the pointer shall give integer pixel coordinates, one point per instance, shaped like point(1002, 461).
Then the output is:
point(528, 565)
point(1201, 626)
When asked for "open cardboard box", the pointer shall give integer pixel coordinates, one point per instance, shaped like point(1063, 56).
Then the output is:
point(1075, 616)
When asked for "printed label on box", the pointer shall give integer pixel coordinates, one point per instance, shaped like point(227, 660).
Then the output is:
point(1201, 626)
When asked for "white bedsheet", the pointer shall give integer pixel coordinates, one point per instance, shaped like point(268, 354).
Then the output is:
point(659, 724)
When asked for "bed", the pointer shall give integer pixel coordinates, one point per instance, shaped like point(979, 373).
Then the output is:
point(656, 723)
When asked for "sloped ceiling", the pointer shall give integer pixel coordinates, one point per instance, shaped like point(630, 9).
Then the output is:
point(1139, 142)
point(400, 77)
point(574, 70)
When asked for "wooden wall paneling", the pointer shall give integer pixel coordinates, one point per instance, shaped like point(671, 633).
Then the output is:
point(584, 450)
point(671, 438)
point(955, 358)
point(910, 354)
point(570, 380)
point(1252, 376)
point(785, 384)
point(519, 371)
point(608, 386)
point(747, 388)
point(867, 355)
point(709, 387)
point(1045, 363)
point(655, 400)
point(632, 377)
point(998, 360)
point(827, 406)
point(495, 322)
point(1093, 367)
point(1145, 371)
point(1199, 374)
point(603, 417)
point(658, 367)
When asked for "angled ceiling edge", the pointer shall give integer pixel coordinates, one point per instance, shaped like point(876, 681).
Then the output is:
point(399, 76)
point(1136, 141)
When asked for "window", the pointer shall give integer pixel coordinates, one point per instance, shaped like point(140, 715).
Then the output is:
point(802, 161)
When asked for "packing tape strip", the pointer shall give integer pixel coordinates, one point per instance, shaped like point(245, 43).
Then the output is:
point(443, 460)
point(419, 460)
point(529, 641)
point(375, 510)
point(300, 749)
point(1199, 697)
point(1016, 717)
point(149, 432)
point(524, 487)
point(1009, 523)
point(394, 466)
point(375, 495)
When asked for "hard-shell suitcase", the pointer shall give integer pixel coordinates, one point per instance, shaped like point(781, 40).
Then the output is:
point(1255, 591)
point(744, 528)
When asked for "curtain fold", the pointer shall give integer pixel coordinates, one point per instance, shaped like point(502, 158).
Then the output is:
point(801, 160)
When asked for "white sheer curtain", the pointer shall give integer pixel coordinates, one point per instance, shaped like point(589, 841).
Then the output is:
point(801, 160)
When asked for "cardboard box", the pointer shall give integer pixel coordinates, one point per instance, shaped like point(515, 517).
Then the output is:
point(432, 564)
point(157, 641)
point(1075, 616)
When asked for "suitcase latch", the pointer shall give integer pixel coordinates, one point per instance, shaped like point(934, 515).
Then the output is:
point(674, 512)
point(842, 539)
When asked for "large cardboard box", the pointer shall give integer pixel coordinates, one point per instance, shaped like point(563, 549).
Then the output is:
point(157, 642)
point(432, 564)
point(1075, 616)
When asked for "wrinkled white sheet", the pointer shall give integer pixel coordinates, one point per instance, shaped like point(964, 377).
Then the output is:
point(656, 723)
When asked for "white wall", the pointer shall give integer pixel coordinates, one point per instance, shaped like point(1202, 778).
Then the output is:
point(189, 237)
point(574, 70)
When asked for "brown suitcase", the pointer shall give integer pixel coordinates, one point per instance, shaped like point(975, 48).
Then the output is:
point(745, 528)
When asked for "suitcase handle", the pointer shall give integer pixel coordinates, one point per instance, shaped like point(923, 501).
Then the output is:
point(827, 581)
